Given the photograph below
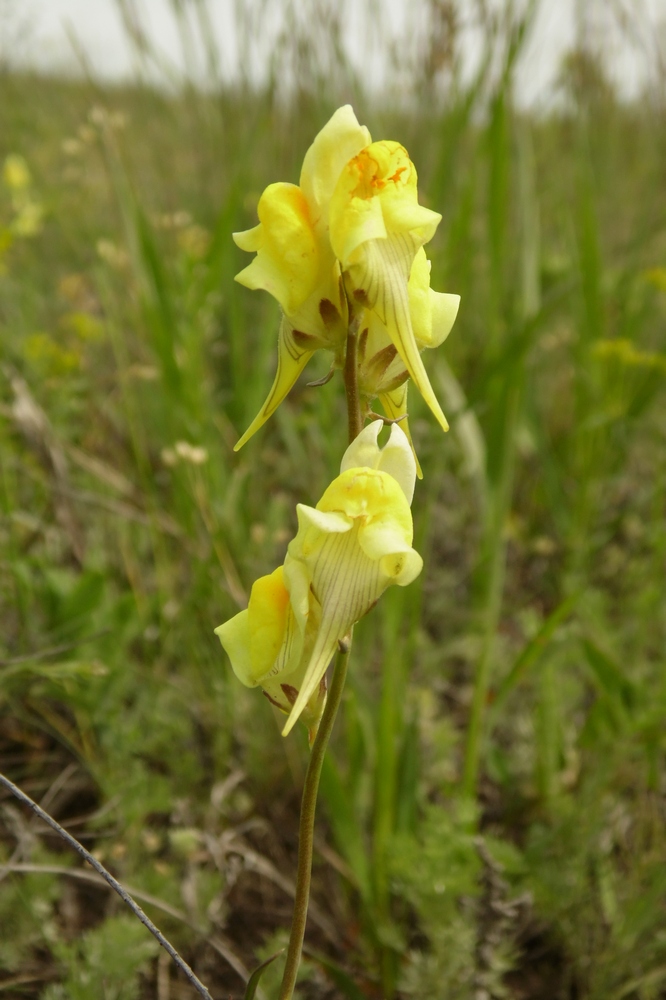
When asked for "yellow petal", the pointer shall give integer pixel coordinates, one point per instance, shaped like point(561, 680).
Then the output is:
point(380, 273)
point(267, 648)
point(394, 403)
point(399, 461)
point(402, 216)
point(364, 451)
point(433, 313)
point(267, 618)
point(283, 681)
point(367, 493)
point(376, 195)
point(399, 562)
point(420, 303)
point(327, 643)
point(362, 220)
point(298, 578)
point(340, 139)
point(395, 458)
point(250, 240)
point(402, 567)
point(444, 311)
point(235, 638)
point(382, 538)
point(288, 255)
point(254, 638)
point(347, 583)
point(292, 359)
point(324, 522)
point(323, 315)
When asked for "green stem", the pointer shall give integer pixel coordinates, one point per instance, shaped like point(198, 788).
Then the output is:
point(350, 375)
point(306, 828)
point(389, 730)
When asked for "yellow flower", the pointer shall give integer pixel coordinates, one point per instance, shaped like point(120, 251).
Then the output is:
point(354, 544)
point(15, 173)
point(377, 227)
point(294, 261)
point(352, 226)
point(28, 213)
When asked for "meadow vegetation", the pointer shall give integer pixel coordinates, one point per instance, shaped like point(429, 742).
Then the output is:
point(492, 811)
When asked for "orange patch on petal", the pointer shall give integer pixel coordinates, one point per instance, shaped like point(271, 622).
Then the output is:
point(396, 176)
point(369, 182)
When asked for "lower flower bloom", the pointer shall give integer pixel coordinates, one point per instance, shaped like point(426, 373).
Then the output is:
point(348, 549)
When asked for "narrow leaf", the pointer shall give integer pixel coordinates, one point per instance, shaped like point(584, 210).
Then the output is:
point(253, 981)
point(532, 652)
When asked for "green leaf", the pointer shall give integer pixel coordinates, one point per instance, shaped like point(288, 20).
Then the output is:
point(253, 981)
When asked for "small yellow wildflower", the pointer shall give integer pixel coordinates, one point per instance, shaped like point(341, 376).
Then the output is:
point(15, 173)
point(348, 549)
point(28, 213)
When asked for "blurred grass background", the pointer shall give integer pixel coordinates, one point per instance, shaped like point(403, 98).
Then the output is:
point(492, 812)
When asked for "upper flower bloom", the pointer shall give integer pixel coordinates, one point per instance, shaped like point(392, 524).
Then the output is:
point(354, 544)
point(352, 227)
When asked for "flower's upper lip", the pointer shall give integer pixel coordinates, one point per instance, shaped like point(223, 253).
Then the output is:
point(396, 457)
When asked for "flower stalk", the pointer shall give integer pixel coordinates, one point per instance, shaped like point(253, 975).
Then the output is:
point(350, 376)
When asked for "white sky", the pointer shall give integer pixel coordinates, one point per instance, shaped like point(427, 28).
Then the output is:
point(38, 32)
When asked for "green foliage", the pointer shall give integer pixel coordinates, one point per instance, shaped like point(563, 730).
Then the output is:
point(437, 873)
point(598, 874)
point(27, 906)
point(107, 960)
point(524, 672)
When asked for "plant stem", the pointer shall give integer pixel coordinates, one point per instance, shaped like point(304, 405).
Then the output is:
point(306, 827)
point(108, 877)
point(350, 375)
point(389, 731)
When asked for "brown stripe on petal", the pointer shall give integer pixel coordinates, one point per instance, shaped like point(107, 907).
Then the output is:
point(362, 344)
point(305, 341)
point(328, 312)
point(291, 693)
